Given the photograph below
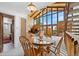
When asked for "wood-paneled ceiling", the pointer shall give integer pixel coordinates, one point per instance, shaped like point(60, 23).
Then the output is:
point(51, 6)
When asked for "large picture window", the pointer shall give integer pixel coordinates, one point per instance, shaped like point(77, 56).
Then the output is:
point(52, 19)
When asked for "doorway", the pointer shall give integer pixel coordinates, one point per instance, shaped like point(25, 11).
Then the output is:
point(7, 32)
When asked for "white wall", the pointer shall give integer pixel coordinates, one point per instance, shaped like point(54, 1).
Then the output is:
point(17, 30)
point(29, 24)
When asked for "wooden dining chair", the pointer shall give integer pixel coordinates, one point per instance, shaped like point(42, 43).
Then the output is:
point(56, 49)
point(28, 47)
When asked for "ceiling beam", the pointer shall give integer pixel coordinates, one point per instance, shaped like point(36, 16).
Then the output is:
point(54, 6)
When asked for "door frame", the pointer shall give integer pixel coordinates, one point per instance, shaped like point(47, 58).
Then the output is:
point(1, 32)
point(12, 28)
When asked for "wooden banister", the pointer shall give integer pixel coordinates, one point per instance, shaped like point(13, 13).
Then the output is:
point(76, 48)
point(69, 43)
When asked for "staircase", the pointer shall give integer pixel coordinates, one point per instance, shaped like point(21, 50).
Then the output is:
point(73, 18)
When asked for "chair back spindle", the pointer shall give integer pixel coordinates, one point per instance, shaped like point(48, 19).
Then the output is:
point(27, 46)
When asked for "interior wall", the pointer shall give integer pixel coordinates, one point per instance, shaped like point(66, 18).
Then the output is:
point(23, 27)
point(17, 25)
point(17, 28)
point(17, 31)
point(29, 23)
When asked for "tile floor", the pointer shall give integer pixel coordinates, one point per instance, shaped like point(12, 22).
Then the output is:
point(9, 50)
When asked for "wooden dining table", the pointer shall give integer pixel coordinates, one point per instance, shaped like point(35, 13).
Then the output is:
point(44, 44)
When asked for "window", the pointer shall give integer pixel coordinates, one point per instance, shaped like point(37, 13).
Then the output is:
point(50, 20)
point(55, 30)
point(41, 21)
point(60, 14)
point(55, 18)
point(49, 13)
point(44, 20)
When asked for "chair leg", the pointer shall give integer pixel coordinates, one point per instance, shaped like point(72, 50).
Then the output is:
point(53, 52)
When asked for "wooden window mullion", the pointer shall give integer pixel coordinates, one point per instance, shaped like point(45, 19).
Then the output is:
point(51, 21)
point(57, 21)
point(42, 20)
point(46, 17)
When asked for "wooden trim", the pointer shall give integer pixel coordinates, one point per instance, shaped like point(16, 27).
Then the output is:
point(58, 5)
point(75, 31)
point(74, 4)
point(7, 15)
point(73, 11)
point(76, 21)
point(33, 14)
point(76, 34)
point(46, 17)
point(48, 10)
point(37, 12)
point(55, 6)
point(12, 28)
point(75, 28)
point(1, 32)
point(51, 21)
point(69, 35)
point(42, 20)
point(48, 14)
point(75, 25)
point(69, 42)
point(57, 21)
point(76, 16)
point(66, 16)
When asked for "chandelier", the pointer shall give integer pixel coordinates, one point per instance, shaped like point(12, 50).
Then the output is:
point(31, 7)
